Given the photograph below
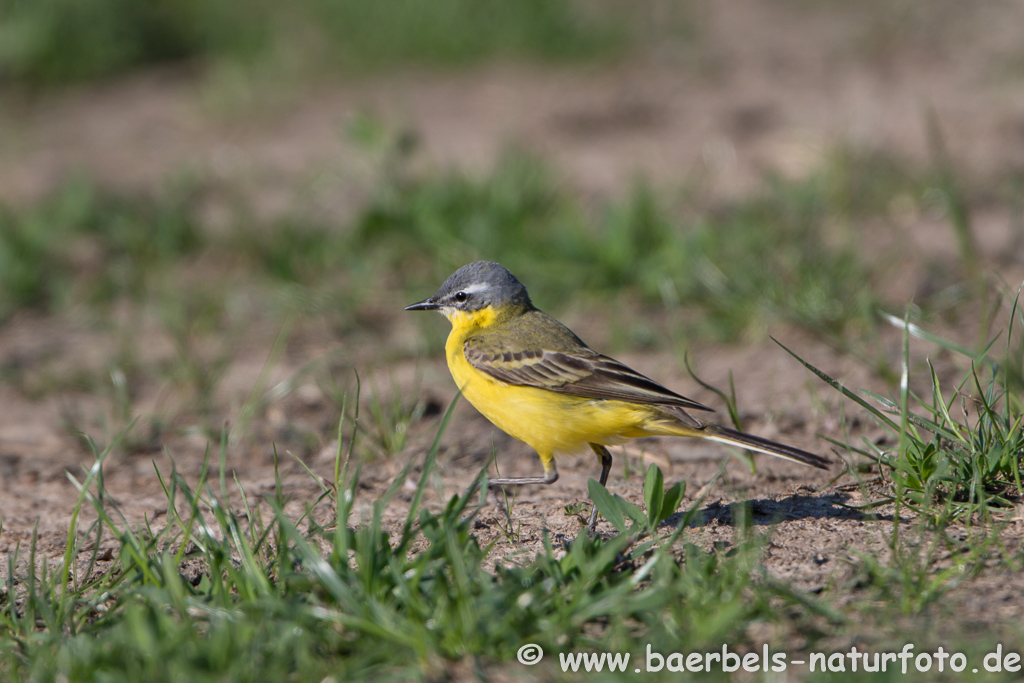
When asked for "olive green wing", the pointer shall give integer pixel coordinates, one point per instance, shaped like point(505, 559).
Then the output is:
point(579, 372)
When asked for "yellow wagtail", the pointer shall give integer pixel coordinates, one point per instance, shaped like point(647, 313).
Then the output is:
point(533, 378)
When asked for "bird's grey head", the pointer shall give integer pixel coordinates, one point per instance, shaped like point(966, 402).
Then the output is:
point(474, 287)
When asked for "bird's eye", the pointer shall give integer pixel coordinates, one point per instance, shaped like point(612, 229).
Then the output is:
point(461, 297)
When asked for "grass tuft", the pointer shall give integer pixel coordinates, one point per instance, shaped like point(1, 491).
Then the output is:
point(945, 467)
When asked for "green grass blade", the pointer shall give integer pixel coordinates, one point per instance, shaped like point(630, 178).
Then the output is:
point(933, 338)
point(838, 386)
point(428, 467)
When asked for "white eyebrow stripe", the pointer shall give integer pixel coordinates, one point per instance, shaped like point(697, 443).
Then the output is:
point(476, 287)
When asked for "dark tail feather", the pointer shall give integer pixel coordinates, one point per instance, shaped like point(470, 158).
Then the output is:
point(756, 443)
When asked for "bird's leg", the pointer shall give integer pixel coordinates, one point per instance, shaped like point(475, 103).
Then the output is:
point(550, 477)
point(606, 466)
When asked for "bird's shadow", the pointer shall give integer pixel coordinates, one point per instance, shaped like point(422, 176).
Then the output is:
point(769, 511)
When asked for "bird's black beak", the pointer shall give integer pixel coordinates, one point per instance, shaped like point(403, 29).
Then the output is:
point(425, 305)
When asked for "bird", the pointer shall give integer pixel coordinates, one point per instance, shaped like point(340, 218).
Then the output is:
point(537, 381)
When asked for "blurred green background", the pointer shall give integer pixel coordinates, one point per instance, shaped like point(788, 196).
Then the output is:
point(705, 171)
point(61, 41)
point(786, 246)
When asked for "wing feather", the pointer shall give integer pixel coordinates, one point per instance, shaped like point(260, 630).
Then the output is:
point(583, 373)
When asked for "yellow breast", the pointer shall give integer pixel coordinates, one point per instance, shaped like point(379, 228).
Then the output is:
point(549, 422)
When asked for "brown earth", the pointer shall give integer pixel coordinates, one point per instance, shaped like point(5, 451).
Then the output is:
point(766, 87)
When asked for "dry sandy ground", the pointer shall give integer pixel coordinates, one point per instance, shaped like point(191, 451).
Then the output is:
point(767, 86)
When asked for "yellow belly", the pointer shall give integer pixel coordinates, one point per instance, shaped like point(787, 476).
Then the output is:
point(550, 422)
